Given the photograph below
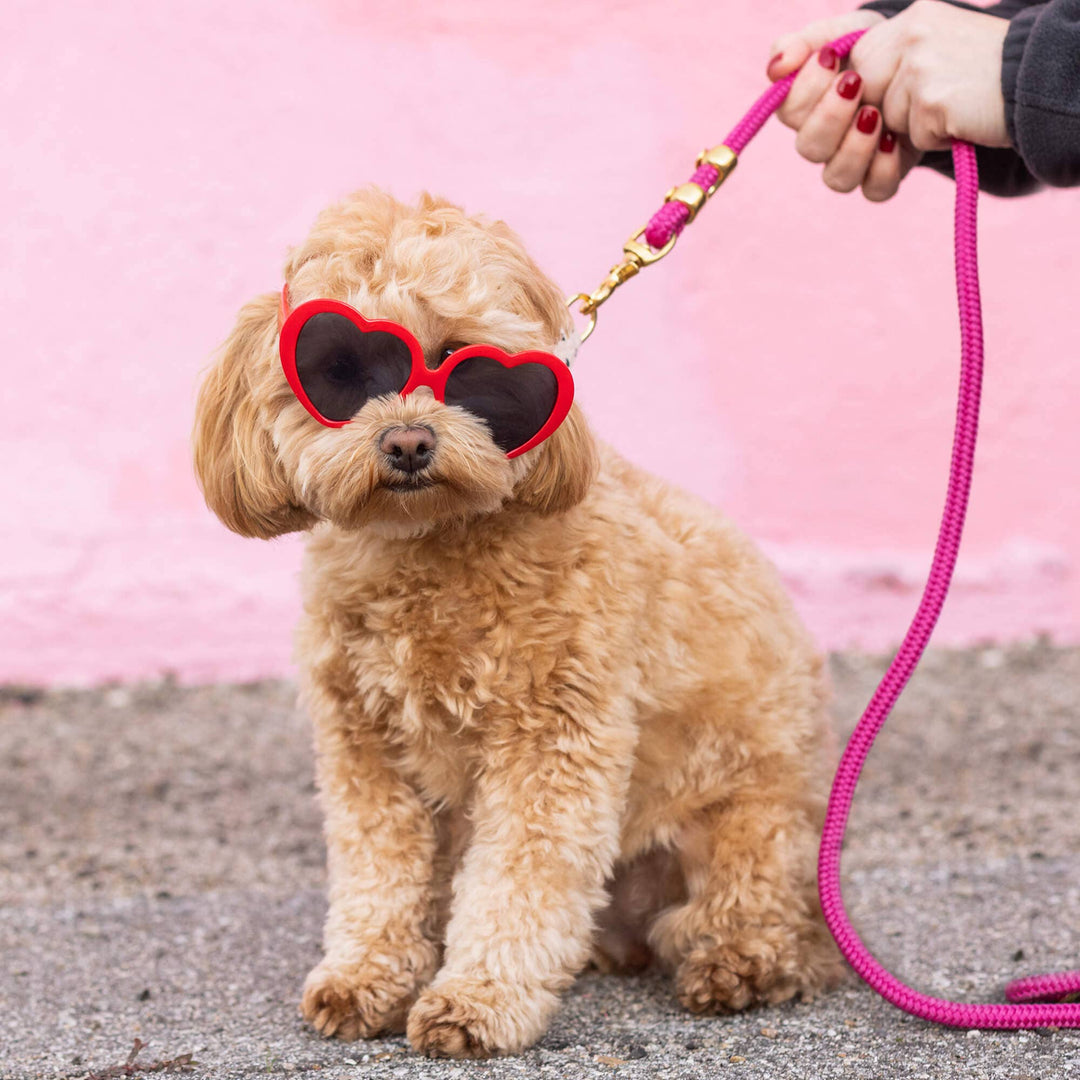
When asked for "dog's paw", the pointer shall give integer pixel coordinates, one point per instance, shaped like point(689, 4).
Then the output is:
point(757, 971)
point(352, 1002)
point(719, 979)
point(475, 1018)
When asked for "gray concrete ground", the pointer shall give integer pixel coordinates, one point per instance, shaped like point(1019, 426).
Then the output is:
point(161, 878)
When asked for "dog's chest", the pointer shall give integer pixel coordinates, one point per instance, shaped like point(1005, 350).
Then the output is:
point(447, 662)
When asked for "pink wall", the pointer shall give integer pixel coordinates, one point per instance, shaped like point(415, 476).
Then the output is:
point(157, 159)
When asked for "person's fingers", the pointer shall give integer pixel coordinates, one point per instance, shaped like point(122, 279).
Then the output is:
point(885, 171)
point(810, 85)
point(928, 124)
point(876, 57)
point(896, 157)
point(847, 168)
point(822, 132)
point(896, 106)
point(921, 118)
point(790, 51)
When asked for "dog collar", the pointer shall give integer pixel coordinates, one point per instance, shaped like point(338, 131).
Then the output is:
point(566, 349)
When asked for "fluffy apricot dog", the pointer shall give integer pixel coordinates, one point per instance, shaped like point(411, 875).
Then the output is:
point(562, 711)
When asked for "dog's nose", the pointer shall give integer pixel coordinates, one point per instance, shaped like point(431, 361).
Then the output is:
point(408, 449)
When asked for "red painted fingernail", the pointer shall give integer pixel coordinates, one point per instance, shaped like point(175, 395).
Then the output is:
point(849, 84)
point(827, 57)
point(867, 120)
point(887, 143)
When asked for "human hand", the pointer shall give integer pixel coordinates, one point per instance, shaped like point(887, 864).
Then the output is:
point(930, 74)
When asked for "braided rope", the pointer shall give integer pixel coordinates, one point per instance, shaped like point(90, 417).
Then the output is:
point(1042, 994)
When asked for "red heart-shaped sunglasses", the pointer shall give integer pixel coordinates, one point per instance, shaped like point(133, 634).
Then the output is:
point(336, 361)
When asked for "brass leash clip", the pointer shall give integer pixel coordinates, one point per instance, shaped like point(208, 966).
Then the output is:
point(723, 159)
point(638, 252)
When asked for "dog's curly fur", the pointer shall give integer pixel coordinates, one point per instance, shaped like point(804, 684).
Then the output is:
point(562, 710)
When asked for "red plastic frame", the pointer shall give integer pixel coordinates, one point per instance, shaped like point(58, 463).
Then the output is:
point(291, 322)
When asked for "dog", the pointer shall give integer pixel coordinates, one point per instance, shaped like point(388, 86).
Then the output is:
point(563, 711)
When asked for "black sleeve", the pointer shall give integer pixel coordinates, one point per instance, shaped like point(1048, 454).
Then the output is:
point(1002, 170)
point(889, 8)
point(1040, 79)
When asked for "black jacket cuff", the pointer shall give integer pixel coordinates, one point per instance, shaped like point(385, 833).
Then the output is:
point(1044, 90)
point(1016, 39)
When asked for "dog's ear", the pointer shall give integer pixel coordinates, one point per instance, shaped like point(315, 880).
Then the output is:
point(238, 469)
point(564, 470)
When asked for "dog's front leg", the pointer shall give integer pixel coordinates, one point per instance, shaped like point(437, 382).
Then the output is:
point(545, 834)
point(380, 848)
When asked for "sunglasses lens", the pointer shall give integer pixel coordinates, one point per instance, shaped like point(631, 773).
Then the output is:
point(341, 366)
point(514, 402)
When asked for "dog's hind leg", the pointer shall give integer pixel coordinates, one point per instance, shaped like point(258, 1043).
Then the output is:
point(751, 931)
point(637, 891)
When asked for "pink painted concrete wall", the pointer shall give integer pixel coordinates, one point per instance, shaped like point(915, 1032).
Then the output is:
point(157, 160)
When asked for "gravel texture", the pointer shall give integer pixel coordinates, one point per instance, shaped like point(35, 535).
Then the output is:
point(161, 878)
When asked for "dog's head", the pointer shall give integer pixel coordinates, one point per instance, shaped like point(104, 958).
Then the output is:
point(267, 467)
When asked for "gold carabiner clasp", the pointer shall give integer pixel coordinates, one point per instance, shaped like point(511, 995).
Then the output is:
point(587, 308)
point(641, 253)
point(638, 251)
point(638, 254)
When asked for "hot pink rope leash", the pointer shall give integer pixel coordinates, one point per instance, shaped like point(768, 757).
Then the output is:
point(667, 223)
